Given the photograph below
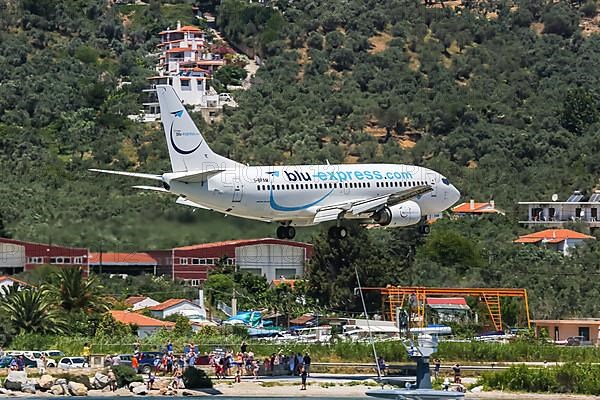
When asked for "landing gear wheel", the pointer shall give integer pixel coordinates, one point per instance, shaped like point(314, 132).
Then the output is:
point(424, 229)
point(281, 232)
point(338, 232)
point(290, 232)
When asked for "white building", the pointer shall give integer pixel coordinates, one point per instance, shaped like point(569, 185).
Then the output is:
point(187, 64)
point(179, 306)
point(140, 302)
point(12, 258)
point(577, 208)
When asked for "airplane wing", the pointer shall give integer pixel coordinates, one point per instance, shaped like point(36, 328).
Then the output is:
point(155, 188)
point(136, 174)
point(186, 202)
point(356, 207)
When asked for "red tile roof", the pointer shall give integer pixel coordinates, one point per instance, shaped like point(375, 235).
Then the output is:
point(456, 301)
point(168, 303)
point(10, 278)
point(591, 321)
point(133, 300)
point(478, 208)
point(552, 236)
point(132, 318)
point(242, 242)
point(123, 259)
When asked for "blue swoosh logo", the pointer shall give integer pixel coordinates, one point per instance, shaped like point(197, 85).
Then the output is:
point(278, 207)
point(178, 114)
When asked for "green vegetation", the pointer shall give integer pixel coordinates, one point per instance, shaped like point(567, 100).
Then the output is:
point(500, 98)
point(125, 375)
point(568, 378)
point(196, 379)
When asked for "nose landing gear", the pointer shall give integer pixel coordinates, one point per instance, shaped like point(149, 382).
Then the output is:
point(338, 232)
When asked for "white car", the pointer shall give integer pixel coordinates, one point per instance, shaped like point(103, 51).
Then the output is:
point(72, 362)
point(37, 355)
point(53, 354)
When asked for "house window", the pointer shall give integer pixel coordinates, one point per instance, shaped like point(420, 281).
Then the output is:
point(60, 260)
point(195, 261)
point(183, 261)
point(36, 260)
point(231, 261)
point(185, 85)
point(78, 260)
point(203, 261)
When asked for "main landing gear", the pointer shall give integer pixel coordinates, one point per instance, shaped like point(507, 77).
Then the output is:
point(424, 229)
point(338, 232)
point(286, 232)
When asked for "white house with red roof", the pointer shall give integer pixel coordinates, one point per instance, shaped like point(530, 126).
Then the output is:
point(449, 309)
point(558, 239)
point(474, 208)
point(140, 302)
point(178, 306)
point(146, 326)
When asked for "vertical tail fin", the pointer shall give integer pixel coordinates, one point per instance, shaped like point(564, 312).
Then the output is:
point(188, 150)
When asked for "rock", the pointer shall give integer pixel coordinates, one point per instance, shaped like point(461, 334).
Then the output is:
point(171, 392)
point(15, 380)
point(141, 390)
point(46, 382)
point(83, 379)
point(28, 387)
point(133, 385)
point(187, 392)
point(60, 381)
point(6, 392)
point(100, 380)
point(162, 391)
point(477, 389)
point(162, 383)
point(57, 390)
point(107, 389)
point(77, 389)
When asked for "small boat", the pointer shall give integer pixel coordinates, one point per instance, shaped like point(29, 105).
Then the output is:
point(415, 394)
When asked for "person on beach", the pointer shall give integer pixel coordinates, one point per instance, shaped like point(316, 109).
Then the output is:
point(437, 368)
point(42, 363)
point(456, 370)
point(244, 347)
point(303, 375)
point(112, 380)
point(135, 363)
point(150, 381)
point(307, 362)
point(255, 368)
point(382, 366)
point(293, 364)
point(86, 353)
point(170, 348)
point(238, 376)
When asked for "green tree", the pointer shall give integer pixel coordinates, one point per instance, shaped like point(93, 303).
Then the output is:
point(76, 292)
point(33, 310)
point(109, 328)
point(580, 109)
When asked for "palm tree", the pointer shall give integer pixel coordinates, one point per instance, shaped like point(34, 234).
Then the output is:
point(77, 293)
point(32, 310)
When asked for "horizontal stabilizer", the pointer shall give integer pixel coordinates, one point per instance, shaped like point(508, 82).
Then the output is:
point(155, 188)
point(135, 174)
point(192, 176)
point(186, 202)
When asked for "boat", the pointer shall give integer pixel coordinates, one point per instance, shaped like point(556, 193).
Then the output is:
point(415, 394)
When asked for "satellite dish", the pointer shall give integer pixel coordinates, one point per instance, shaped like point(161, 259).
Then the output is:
point(554, 197)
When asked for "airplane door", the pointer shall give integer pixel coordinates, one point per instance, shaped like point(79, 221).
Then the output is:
point(237, 190)
point(431, 182)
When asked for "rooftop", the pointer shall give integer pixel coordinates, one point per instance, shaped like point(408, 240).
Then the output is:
point(135, 299)
point(477, 208)
point(582, 321)
point(168, 304)
point(289, 282)
point(242, 242)
point(5, 278)
point(132, 318)
point(552, 236)
point(122, 259)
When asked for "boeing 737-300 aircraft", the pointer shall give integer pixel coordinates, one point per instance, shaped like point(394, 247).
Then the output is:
point(390, 195)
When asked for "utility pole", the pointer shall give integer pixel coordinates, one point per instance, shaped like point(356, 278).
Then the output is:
point(233, 304)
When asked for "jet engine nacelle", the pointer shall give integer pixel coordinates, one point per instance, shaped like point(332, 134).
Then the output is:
point(403, 214)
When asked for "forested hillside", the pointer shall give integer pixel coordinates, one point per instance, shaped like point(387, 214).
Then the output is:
point(501, 96)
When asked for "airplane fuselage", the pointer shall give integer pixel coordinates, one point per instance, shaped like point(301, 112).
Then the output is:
point(293, 193)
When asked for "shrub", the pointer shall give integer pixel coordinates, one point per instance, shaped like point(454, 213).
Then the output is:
point(125, 375)
point(589, 9)
point(194, 378)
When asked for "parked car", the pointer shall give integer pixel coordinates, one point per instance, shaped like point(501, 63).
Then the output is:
point(72, 362)
point(124, 359)
point(56, 354)
point(578, 341)
point(146, 361)
point(36, 355)
point(6, 360)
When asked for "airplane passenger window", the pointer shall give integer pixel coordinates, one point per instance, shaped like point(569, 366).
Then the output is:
point(277, 187)
point(320, 186)
point(311, 185)
point(263, 187)
point(258, 187)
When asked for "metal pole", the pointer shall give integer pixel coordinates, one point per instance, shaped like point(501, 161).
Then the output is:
point(362, 298)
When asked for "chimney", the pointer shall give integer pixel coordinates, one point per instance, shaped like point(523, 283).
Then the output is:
point(472, 204)
point(178, 25)
point(493, 204)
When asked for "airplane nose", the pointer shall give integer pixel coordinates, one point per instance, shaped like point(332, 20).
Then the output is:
point(453, 196)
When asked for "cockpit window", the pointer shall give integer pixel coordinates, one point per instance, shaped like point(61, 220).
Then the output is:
point(446, 181)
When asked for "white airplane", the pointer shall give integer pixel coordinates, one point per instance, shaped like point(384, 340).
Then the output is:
point(391, 195)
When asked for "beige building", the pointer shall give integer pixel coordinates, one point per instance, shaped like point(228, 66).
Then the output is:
point(560, 330)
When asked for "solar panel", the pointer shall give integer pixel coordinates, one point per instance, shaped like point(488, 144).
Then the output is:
point(595, 197)
point(574, 198)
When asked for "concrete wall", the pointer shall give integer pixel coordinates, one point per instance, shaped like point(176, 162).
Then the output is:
point(563, 331)
point(12, 257)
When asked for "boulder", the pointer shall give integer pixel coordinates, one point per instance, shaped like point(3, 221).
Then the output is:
point(171, 392)
point(100, 380)
point(28, 387)
point(15, 380)
point(57, 390)
point(77, 389)
point(477, 389)
point(140, 390)
point(133, 385)
point(83, 379)
point(60, 381)
point(162, 391)
point(6, 392)
point(188, 392)
point(46, 382)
